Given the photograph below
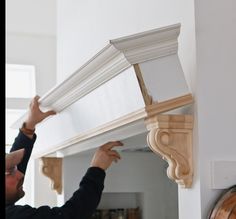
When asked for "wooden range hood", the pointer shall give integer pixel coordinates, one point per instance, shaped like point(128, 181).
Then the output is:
point(123, 91)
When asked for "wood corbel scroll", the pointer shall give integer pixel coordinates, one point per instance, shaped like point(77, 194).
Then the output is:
point(52, 168)
point(170, 136)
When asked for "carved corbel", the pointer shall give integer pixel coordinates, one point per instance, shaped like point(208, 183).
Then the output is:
point(170, 136)
point(52, 168)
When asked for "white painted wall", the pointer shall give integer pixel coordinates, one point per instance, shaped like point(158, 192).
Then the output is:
point(85, 27)
point(37, 50)
point(31, 38)
point(136, 172)
point(35, 17)
point(216, 77)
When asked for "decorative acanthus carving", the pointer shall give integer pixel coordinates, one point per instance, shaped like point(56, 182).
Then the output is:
point(52, 168)
point(170, 136)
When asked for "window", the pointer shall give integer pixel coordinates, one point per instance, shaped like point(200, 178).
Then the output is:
point(20, 81)
point(20, 88)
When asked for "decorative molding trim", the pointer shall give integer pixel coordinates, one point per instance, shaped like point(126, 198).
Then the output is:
point(117, 56)
point(168, 105)
point(52, 168)
point(149, 45)
point(170, 136)
point(120, 125)
point(99, 70)
point(132, 119)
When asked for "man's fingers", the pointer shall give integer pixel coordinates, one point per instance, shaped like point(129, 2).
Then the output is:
point(50, 112)
point(114, 159)
point(111, 144)
point(36, 98)
point(34, 101)
point(114, 154)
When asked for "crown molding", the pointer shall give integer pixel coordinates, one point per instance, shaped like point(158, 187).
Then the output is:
point(117, 56)
point(149, 45)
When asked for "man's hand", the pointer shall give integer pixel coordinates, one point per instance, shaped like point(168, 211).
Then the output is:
point(104, 155)
point(35, 115)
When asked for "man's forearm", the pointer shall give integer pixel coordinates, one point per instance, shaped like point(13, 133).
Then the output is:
point(23, 141)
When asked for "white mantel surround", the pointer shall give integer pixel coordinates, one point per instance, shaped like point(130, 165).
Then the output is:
point(114, 95)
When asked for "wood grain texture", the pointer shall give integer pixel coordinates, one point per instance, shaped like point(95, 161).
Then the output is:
point(147, 98)
point(170, 136)
point(225, 207)
point(157, 108)
point(52, 168)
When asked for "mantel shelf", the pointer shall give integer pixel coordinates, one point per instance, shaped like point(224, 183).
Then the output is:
point(129, 125)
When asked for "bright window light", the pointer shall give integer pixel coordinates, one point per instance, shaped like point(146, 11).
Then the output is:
point(20, 81)
point(10, 134)
point(20, 86)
